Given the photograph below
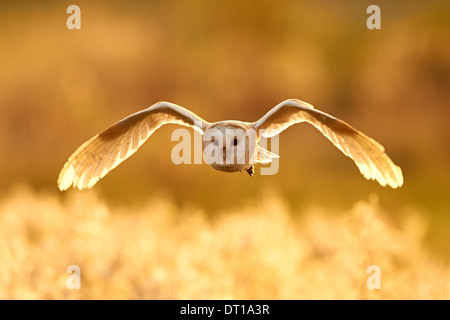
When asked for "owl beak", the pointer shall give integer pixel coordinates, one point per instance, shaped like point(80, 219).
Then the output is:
point(224, 153)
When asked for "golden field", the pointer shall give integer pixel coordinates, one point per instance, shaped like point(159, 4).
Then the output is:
point(263, 251)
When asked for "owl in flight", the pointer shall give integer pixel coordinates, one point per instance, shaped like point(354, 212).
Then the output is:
point(230, 146)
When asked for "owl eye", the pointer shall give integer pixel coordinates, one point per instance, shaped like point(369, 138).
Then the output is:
point(213, 140)
point(235, 142)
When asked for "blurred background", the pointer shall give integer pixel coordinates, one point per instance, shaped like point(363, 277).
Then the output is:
point(222, 60)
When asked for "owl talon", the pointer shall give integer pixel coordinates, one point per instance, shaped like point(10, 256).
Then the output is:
point(251, 171)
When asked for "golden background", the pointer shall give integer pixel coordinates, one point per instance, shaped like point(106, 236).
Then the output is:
point(151, 229)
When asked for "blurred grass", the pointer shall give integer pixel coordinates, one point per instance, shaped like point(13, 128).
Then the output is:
point(261, 251)
point(223, 60)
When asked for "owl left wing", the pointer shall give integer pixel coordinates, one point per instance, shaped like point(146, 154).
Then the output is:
point(106, 150)
point(368, 155)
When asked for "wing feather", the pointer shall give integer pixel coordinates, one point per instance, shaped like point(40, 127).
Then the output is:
point(106, 150)
point(368, 155)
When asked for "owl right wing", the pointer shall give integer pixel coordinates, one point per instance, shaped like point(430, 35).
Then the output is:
point(368, 155)
point(105, 151)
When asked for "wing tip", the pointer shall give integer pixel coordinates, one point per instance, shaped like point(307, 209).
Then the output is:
point(68, 178)
point(394, 181)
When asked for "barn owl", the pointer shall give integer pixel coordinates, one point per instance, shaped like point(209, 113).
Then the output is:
point(230, 146)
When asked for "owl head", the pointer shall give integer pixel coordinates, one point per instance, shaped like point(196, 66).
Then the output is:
point(230, 146)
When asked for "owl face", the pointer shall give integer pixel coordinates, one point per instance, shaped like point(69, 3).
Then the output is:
point(230, 146)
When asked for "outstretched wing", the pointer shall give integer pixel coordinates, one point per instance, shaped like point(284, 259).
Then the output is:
point(367, 154)
point(105, 151)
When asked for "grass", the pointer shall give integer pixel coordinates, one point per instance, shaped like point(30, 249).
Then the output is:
point(160, 251)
